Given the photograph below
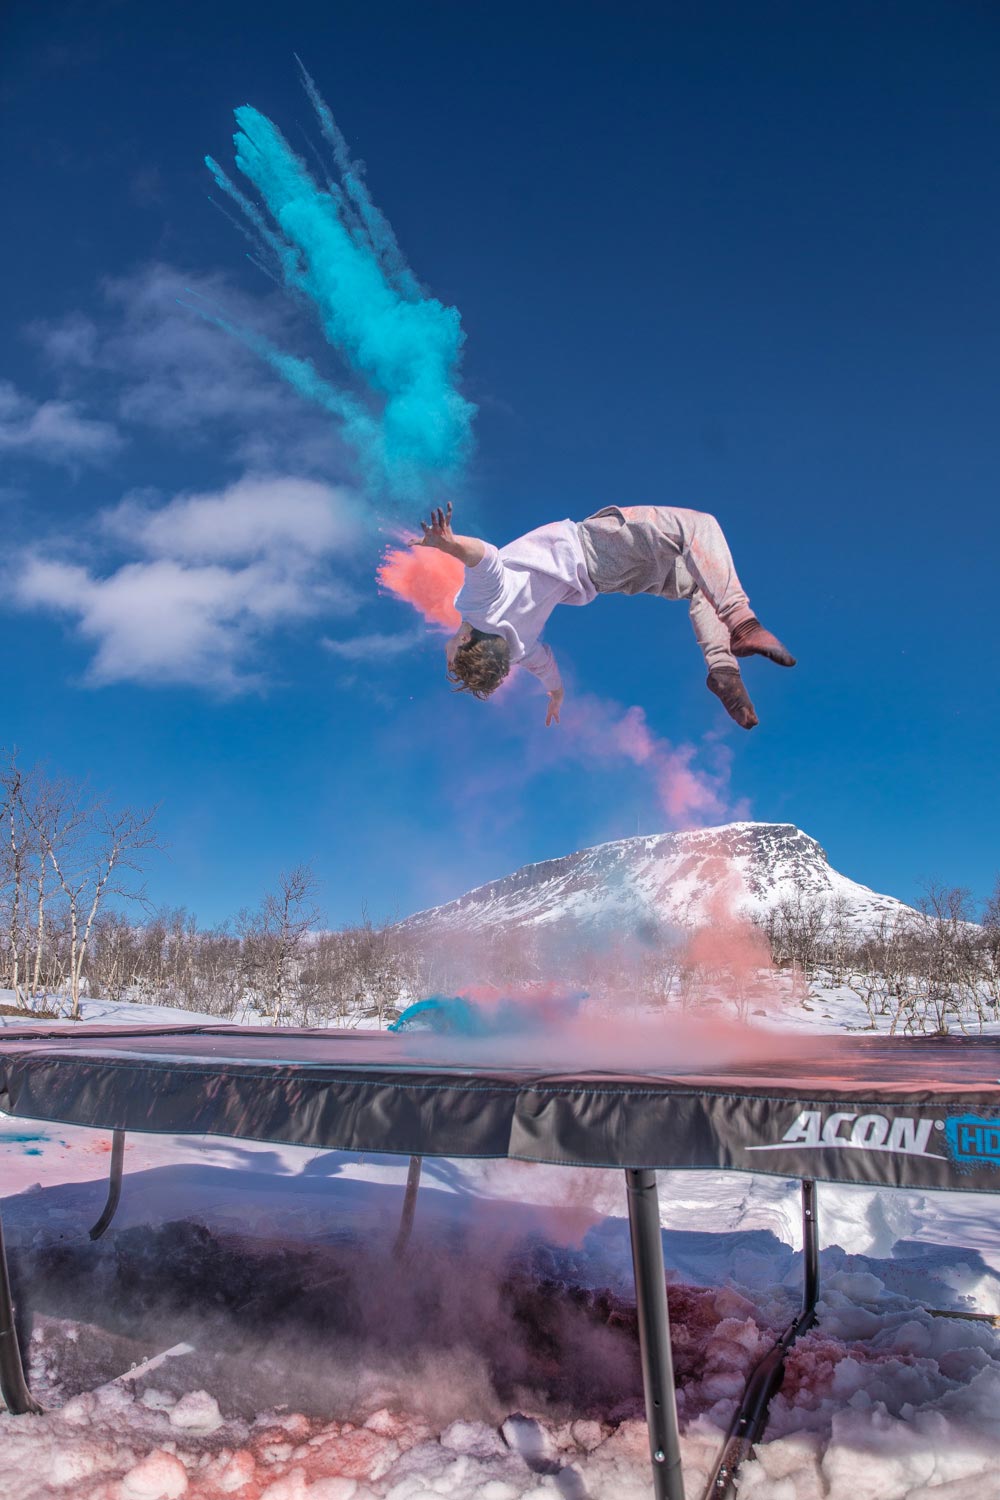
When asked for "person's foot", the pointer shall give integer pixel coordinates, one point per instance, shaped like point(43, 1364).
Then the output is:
point(751, 639)
point(727, 685)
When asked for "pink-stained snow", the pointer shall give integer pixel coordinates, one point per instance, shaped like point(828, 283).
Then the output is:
point(883, 1400)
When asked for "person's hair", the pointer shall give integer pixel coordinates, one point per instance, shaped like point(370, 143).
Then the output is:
point(480, 665)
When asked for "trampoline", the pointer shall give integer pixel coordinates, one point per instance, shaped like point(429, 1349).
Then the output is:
point(886, 1112)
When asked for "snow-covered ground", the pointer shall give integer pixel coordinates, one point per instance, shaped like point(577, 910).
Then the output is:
point(137, 1013)
point(110, 1013)
point(497, 1360)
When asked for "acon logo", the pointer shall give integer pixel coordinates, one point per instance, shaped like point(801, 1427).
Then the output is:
point(812, 1132)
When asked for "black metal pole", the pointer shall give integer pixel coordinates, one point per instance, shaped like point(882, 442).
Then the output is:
point(810, 1252)
point(409, 1206)
point(654, 1334)
point(114, 1185)
point(750, 1417)
point(13, 1386)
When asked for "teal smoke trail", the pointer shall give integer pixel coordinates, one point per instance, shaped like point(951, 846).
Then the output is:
point(335, 251)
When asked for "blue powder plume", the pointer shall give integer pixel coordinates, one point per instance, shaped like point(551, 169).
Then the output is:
point(458, 1015)
point(334, 251)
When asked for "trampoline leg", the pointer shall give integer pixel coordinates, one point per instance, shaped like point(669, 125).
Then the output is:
point(750, 1418)
point(810, 1252)
point(13, 1386)
point(114, 1185)
point(654, 1334)
point(409, 1206)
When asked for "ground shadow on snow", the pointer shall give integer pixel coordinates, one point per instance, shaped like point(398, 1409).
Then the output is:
point(310, 1303)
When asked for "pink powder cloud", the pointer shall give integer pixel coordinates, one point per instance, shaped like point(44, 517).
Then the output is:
point(425, 578)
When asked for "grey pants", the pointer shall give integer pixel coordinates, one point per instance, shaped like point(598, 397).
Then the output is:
point(677, 554)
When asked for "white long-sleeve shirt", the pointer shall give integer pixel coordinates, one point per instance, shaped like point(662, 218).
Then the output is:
point(512, 591)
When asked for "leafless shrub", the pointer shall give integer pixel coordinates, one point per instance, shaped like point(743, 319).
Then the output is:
point(932, 970)
point(273, 940)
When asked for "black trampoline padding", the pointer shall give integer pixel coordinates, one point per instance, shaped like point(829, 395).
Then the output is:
point(901, 1112)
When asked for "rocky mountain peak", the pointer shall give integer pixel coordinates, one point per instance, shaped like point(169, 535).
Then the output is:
point(668, 880)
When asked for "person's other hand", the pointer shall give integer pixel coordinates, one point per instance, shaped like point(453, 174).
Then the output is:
point(555, 704)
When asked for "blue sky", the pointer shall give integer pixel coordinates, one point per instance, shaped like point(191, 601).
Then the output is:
point(738, 258)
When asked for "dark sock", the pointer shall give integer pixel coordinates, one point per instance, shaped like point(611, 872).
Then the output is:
point(727, 685)
point(751, 639)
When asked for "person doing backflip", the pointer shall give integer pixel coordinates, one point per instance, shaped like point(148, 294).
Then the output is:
point(509, 593)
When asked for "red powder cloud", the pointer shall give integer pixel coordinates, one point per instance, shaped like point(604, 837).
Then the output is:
point(689, 796)
point(728, 940)
point(425, 578)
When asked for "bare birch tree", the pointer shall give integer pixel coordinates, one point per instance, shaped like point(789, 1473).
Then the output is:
point(274, 939)
point(93, 852)
point(11, 783)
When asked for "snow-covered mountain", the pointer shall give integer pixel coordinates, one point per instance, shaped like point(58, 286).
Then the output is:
point(662, 880)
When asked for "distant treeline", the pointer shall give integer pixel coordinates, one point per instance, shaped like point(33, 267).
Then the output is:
point(932, 970)
point(75, 920)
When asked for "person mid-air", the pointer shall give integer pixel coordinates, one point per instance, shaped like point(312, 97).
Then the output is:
point(509, 593)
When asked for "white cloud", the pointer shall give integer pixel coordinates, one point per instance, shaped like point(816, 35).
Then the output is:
point(173, 371)
point(181, 371)
point(54, 431)
point(376, 647)
point(257, 515)
point(188, 587)
point(219, 573)
point(72, 341)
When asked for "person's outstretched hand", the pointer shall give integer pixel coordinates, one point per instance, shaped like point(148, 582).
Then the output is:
point(555, 704)
point(469, 550)
point(439, 533)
